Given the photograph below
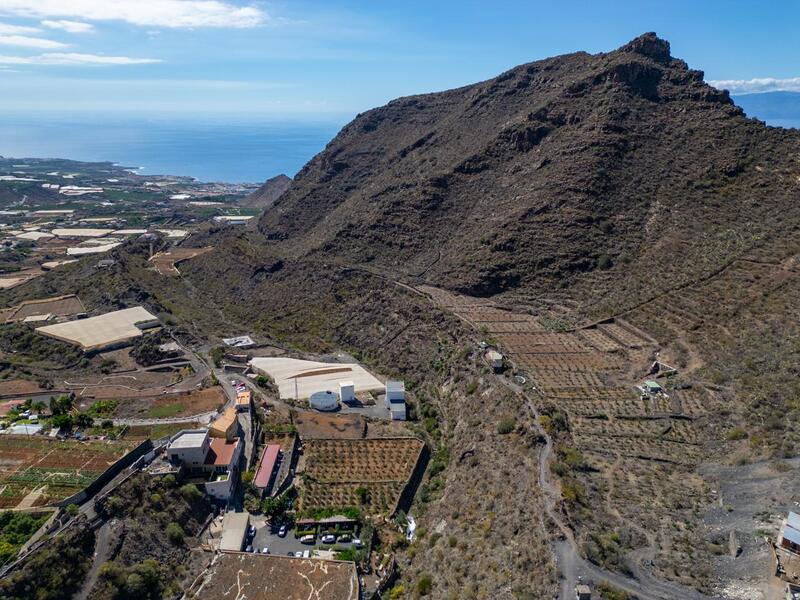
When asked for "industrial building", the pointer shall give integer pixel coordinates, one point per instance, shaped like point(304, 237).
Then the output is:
point(396, 399)
point(106, 331)
point(298, 379)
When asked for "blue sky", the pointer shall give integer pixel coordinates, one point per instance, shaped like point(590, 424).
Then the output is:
point(312, 59)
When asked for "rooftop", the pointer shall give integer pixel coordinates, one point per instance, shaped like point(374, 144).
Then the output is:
point(395, 386)
point(102, 331)
point(234, 527)
point(266, 466)
point(225, 420)
point(304, 377)
point(221, 451)
point(233, 576)
point(189, 439)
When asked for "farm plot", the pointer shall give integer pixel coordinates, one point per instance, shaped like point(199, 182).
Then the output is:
point(533, 343)
point(46, 470)
point(573, 362)
point(335, 468)
point(599, 340)
point(552, 379)
point(642, 448)
point(622, 335)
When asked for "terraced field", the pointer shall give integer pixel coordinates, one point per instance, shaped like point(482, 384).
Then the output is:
point(335, 468)
point(38, 471)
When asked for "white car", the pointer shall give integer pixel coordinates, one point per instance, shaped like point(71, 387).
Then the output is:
point(329, 539)
point(307, 554)
point(265, 551)
point(282, 531)
point(308, 539)
point(357, 543)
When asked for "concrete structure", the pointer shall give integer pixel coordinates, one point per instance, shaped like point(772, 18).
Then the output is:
point(299, 379)
point(396, 400)
point(234, 531)
point(583, 592)
point(250, 576)
point(189, 448)
point(110, 330)
point(76, 232)
point(233, 219)
point(225, 425)
point(325, 401)
point(652, 387)
point(242, 341)
point(212, 463)
point(347, 391)
point(495, 360)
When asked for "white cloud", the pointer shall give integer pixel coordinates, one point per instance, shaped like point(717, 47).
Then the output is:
point(755, 86)
point(24, 41)
point(148, 13)
point(69, 26)
point(71, 59)
point(7, 29)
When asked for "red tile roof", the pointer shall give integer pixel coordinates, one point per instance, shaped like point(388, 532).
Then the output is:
point(268, 459)
point(221, 451)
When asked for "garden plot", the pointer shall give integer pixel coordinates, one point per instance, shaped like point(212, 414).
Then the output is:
point(335, 468)
point(551, 380)
point(524, 343)
point(51, 470)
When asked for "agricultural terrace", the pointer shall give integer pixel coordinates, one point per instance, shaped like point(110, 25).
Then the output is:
point(37, 471)
point(365, 472)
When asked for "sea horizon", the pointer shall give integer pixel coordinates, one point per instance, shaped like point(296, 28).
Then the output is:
point(231, 148)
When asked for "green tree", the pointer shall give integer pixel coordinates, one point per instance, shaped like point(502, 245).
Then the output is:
point(175, 533)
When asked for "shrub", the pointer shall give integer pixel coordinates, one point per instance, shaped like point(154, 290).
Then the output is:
point(72, 509)
point(190, 492)
point(175, 533)
point(506, 425)
point(737, 433)
point(424, 585)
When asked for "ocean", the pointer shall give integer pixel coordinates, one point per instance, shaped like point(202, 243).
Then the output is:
point(233, 149)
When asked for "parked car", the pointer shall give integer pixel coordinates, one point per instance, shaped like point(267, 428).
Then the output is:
point(290, 554)
point(265, 551)
point(248, 549)
point(307, 554)
point(252, 530)
point(308, 539)
point(282, 531)
point(329, 539)
point(357, 543)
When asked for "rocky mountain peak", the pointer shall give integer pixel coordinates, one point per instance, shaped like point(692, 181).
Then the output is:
point(651, 46)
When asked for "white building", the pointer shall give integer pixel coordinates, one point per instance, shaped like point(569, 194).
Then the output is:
point(396, 400)
point(347, 391)
point(212, 463)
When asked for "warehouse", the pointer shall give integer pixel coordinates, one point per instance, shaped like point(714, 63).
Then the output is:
point(299, 379)
point(110, 330)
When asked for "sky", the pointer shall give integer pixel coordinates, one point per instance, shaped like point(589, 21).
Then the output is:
point(312, 59)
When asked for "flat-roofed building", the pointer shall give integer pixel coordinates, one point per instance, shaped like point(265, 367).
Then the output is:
point(106, 331)
point(789, 535)
point(266, 471)
point(213, 463)
point(234, 531)
point(298, 379)
point(243, 400)
point(396, 399)
point(189, 447)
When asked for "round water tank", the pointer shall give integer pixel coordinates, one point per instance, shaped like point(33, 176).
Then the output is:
point(324, 400)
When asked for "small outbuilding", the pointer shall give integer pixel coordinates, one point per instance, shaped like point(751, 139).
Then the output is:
point(652, 387)
point(347, 391)
point(583, 592)
point(324, 401)
point(495, 360)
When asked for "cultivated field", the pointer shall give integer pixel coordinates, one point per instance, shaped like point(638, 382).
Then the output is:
point(315, 425)
point(36, 471)
point(335, 468)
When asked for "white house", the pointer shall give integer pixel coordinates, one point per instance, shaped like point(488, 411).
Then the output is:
point(213, 463)
point(347, 391)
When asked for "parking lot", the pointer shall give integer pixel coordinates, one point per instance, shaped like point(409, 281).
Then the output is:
point(267, 537)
